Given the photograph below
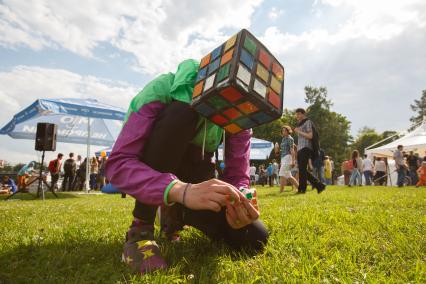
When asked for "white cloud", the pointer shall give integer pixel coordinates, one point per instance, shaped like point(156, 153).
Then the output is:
point(158, 33)
point(372, 63)
point(373, 20)
point(22, 85)
point(379, 19)
point(274, 13)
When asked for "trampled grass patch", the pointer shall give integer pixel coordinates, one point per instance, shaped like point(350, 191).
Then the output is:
point(368, 234)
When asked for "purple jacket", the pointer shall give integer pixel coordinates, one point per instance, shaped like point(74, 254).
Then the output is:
point(131, 176)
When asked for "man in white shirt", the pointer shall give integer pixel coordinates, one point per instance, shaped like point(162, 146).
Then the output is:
point(253, 174)
point(368, 168)
point(380, 167)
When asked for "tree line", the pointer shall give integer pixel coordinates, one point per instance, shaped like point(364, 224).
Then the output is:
point(333, 127)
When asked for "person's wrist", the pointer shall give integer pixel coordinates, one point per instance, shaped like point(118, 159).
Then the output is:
point(176, 192)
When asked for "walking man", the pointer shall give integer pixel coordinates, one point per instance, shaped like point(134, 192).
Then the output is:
point(307, 148)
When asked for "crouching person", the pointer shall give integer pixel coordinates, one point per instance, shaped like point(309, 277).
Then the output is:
point(158, 159)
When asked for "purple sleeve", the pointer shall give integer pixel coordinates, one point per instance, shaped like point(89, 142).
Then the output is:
point(237, 159)
point(125, 171)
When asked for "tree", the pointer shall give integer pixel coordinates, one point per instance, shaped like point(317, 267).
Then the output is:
point(270, 131)
point(333, 128)
point(317, 97)
point(17, 167)
point(366, 137)
point(419, 107)
point(389, 133)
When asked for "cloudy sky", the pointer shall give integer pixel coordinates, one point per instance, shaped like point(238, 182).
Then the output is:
point(370, 54)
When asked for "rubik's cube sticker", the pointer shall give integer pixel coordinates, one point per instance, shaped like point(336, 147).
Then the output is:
point(239, 85)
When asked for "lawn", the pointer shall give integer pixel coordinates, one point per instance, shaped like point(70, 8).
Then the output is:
point(368, 234)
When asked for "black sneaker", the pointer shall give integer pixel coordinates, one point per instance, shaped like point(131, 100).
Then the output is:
point(321, 187)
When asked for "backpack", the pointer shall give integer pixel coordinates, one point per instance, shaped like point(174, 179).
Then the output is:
point(52, 166)
point(69, 166)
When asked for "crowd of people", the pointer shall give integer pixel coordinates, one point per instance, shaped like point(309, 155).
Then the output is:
point(72, 170)
point(356, 171)
point(410, 168)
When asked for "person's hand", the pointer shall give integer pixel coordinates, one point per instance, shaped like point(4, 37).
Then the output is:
point(208, 195)
point(296, 129)
point(240, 214)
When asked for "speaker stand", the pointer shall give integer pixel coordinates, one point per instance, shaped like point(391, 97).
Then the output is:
point(41, 181)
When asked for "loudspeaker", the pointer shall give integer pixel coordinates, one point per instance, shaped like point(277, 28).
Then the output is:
point(46, 137)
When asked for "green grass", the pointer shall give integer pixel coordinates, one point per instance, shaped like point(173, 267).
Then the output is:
point(356, 235)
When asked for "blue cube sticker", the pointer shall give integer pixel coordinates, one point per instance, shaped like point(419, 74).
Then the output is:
point(245, 123)
point(261, 117)
point(201, 74)
point(204, 109)
point(215, 53)
point(247, 59)
point(213, 66)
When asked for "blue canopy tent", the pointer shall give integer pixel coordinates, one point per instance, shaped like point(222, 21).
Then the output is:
point(259, 149)
point(80, 121)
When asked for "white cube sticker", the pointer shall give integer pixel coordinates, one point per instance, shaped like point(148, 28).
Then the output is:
point(244, 86)
point(209, 82)
point(259, 88)
point(244, 75)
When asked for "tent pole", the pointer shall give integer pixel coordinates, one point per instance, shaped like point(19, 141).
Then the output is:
point(88, 156)
point(381, 141)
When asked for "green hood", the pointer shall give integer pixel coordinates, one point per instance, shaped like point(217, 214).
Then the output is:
point(179, 86)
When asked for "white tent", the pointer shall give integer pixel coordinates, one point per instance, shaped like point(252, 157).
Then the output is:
point(413, 141)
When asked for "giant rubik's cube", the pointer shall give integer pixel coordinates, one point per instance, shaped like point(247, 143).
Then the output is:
point(239, 85)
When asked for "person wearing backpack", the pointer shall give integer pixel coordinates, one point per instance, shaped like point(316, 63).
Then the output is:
point(70, 168)
point(55, 169)
point(318, 166)
point(307, 148)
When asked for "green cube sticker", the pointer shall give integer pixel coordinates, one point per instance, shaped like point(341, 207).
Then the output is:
point(223, 72)
point(250, 45)
point(218, 103)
